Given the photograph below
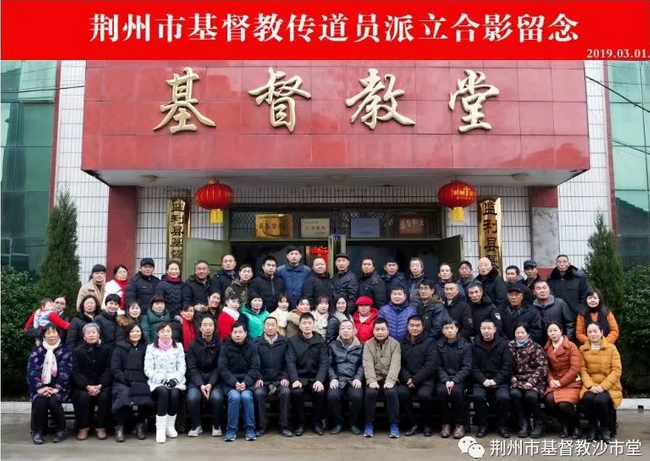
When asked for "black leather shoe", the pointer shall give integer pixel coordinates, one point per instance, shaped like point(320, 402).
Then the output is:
point(318, 430)
point(299, 431)
point(577, 433)
point(119, 433)
point(60, 436)
point(355, 430)
point(284, 432)
point(262, 431)
point(481, 431)
point(523, 429)
point(412, 431)
point(504, 432)
point(37, 438)
point(428, 432)
point(336, 429)
point(564, 432)
point(591, 435)
point(606, 435)
point(538, 430)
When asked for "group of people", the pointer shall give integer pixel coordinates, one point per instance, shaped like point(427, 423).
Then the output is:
point(232, 340)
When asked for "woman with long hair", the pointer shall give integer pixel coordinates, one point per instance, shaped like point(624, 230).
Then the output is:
point(338, 313)
point(595, 311)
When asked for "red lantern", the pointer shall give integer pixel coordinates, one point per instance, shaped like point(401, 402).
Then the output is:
point(215, 197)
point(457, 195)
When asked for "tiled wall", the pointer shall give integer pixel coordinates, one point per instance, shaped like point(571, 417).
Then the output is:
point(581, 198)
point(89, 194)
point(151, 237)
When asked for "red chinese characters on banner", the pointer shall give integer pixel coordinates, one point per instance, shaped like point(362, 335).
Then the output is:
point(319, 29)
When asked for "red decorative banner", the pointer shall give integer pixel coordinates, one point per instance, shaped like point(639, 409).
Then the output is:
point(258, 30)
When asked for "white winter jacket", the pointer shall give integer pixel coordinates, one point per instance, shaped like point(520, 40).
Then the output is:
point(161, 365)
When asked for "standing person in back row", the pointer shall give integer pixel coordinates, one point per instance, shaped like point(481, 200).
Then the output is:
point(345, 282)
point(371, 284)
point(142, 286)
point(568, 283)
point(294, 273)
point(226, 275)
point(198, 287)
point(96, 286)
point(493, 284)
point(267, 285)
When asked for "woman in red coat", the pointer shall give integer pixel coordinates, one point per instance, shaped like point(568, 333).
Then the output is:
point(563, 385)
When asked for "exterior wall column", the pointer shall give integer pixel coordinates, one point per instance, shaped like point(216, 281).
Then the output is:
point(122, 228)
point(544, 228)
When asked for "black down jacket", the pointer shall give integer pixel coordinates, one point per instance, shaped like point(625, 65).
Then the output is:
point(454, 360)
point(238, 363)
point(345, 363)
point(273, 362)
point(373, 286)
point(91, 365)
point(173, 294)
point(494, 287)
point(307, 359)
point(268, 289)
point(141, 289)
point(202, 361)
point(493, 363)
point(347, 286)
point(419, 360)
point(108, 324)
point(318, 285)
point(130, 386)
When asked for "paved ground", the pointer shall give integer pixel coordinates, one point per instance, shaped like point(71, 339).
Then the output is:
point(16, 444)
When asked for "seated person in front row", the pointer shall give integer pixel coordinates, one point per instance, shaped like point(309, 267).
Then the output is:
point(273, 379)
point(417, 375)
point(346, 377)
point(239, 366)
point(307, 370)
point(382, 359)
point(492, 368)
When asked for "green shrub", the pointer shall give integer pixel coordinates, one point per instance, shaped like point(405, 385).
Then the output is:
point(633, 318)
point(19, 299)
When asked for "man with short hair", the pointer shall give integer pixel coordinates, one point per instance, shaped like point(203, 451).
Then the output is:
point(492, 369)
point(227, 274)
point(294, 273)
point(530, 269)
point(459, 310)
point(345, 282)
point(568, 283)
point(142, 286)
point(241, 284)
point(198, 287)
point(445, 274)
point(273, 378)
point(493, 285)
point(417, 375)
point(513, 278)
point(431, 309)
point(482, 308)
point(96, 286)
point(382, 360)
point(307, 363)
point(416, 269)
point(239, 365)
point(397, 313)
point(519, 312)
point(552, 309)
point(371, 284)
point(393, 277)
point(466, 277)
point(346, 377)
point(267, 285)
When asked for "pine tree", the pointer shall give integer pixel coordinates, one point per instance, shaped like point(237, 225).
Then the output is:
point(59, 274)
point(603, 265)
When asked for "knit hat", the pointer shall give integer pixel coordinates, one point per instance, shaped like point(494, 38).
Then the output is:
point(364, 301)
point(91, 325)
point(98, 268)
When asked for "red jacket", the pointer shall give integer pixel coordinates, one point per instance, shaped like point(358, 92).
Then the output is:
point(364, 330)
point(54, 318)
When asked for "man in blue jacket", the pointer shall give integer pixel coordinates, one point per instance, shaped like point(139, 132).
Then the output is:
point(397, 313)
point(294, 273)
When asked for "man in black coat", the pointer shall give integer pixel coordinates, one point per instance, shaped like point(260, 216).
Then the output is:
point(493, 285)
point(226, 275)
point(482, 308)
point(393, 277)
point(530, 269)
point(307, 364)
point(568, 283)
point(267, 284)
point(459, 310)
point(371, 284)
point(518, 312)
point(417, 375)
point(273, 379)
point(239, 366)
point(431, 309)
point(345, 282)
point(513, 278)
point(492, 369)
point(346, 377)
point(552, 309)
point(198, 287)
point(142, 286)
